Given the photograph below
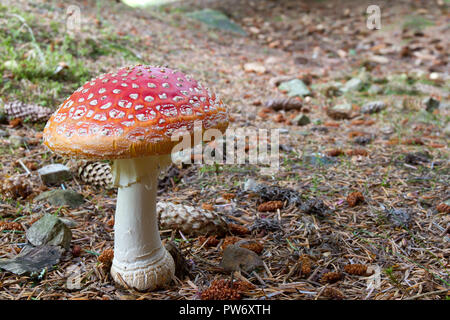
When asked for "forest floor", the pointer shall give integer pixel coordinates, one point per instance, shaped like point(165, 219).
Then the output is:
point(396, 157)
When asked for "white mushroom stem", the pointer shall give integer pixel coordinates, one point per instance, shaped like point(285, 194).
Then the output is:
point(140, 259)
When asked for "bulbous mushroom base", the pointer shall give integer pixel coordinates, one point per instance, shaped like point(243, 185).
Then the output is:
point(146, 275)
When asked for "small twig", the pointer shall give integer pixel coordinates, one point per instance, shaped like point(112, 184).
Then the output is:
point(259, 278)
point(24, 167)
point(125, 285)
point(320, 292)
point(427, 294)
point(201, 247)
point(291, 271)
point(267, 270)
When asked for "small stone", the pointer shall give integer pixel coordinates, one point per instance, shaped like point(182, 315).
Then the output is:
point(354, 84)
point(301, 120)
point(317, 160)
point(69, 222)
point(379, 59)
point(49, 230)
point(294, 88)
point(373, 107)
point(431, 104)
point(344, 108)
point(387, 130)
point(329, 89)
point(340, 111)
point(236, 258)
point(54, 174)
point(216, 19)
point(399, 217)
point(59, 198)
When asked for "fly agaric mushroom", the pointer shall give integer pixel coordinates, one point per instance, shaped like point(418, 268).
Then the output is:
point(130, 116)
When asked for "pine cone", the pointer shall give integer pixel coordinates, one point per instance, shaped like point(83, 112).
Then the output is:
point(331, 277)
point(333, 293)
point(357, 152)
point(189, 220)
point(356, 269)
point(18, 109)
point(306, 264)
point(270, 206)
point(334, 152)
point(96, 173)
point(237, 229)
point(284, 104)
point(443, 207)
point(106, 257)
point(354, 198)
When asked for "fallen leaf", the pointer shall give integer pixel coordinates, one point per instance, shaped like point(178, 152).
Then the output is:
point(32, 259)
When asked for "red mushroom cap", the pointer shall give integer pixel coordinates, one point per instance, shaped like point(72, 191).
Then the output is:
point(132, 112)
